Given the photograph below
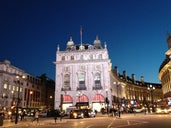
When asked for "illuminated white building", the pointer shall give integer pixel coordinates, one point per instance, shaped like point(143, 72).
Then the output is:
point(83, 76)
point(29, 90)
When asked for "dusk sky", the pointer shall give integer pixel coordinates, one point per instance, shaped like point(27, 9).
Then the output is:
point(134, 30)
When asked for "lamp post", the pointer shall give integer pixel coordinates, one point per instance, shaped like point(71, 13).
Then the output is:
point(107, 101)
point(151, 88)
point(18, 97)
point(117, 89)
point(31, 98)
point(79, 94)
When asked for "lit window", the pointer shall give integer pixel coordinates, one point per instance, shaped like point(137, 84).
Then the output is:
point(5, 86)
point(21, 89)
point(13, 88)
point(9, 87)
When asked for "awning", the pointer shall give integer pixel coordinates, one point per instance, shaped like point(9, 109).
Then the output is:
point(98, 98)
point(67, 99)
point(82, 98)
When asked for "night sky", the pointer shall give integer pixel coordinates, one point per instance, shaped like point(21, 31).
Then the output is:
point(134, 30)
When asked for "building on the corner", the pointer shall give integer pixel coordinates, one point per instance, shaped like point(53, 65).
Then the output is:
point(83, 76)
point(165, 70)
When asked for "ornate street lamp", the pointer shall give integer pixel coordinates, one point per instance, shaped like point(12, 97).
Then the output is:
point(151, 88)
point(18, 96)
point(117, 88)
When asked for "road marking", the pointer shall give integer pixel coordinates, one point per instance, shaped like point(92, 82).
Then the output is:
point(128, 122)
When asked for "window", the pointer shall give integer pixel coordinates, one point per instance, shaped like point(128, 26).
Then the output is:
point(100, 56)
point(72, 57)
point(97, 81)
point(81, 57)
point(66, 82)
point(63, 58)
point(81, 78)
point(91, 57)
point(66, 69)
point(5, 86)
point(9, 87)
point(13, 88)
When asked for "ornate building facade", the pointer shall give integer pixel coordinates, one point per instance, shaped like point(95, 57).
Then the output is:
point(136, 92)
point(82, 76)
point(165, 70)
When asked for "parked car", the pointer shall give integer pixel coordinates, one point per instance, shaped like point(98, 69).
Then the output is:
point(43, 113)
point(76, 114)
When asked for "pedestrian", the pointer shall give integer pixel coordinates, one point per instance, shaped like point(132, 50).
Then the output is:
point(56, 114)
point(61, 115)
point(36, 116)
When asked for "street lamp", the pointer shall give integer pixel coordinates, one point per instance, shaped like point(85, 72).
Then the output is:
point(31, 98)
point(151, 88)
point(18, 96)
point(117, 89)
point(79, 94)
point(107, 101)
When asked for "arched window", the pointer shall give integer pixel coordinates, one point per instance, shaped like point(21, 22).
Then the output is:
point(97, 81)
point(66, 82)
point(81, 78)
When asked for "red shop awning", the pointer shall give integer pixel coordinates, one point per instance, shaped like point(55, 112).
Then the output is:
point(98, 98)
point(67, 99)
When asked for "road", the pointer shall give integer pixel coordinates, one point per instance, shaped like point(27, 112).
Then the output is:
point(126, 121)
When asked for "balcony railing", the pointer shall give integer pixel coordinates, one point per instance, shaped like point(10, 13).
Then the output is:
point(82, 88)
point(66, 89)
point(97, 88)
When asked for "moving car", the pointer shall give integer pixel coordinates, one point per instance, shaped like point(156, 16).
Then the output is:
point(88, 113)
point(162, 109)
point(76, 114)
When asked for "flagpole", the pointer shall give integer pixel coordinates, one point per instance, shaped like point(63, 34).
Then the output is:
point(81, 35)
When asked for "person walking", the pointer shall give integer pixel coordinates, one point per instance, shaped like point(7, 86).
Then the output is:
point(36, 116)
point(56, 114)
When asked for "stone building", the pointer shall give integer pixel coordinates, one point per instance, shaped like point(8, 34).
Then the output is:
point(165, 70)
point(83, 76)
point(85, 79)
point(30, 90)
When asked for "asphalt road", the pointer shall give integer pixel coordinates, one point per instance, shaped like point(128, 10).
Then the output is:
point(126, 121)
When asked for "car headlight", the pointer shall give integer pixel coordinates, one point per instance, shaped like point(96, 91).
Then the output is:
point(9, 113)
point(75, 114)
point(158, 110)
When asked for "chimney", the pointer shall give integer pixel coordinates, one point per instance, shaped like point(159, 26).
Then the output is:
point(124, 75)
point(133, 78)
point(142, 79)
point(116, 70)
